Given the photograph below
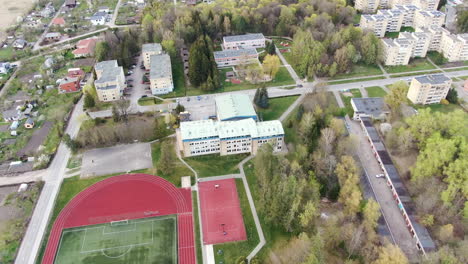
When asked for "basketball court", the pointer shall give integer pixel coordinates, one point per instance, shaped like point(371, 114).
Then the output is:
point(221, 213)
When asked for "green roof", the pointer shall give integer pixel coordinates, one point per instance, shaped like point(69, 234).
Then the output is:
point(234, 106)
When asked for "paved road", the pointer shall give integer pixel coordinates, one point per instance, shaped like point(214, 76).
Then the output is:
point(42, 212)
point(39, 40)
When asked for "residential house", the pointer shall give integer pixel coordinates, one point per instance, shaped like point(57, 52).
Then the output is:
point(29, 123)
point(76, 73)
point(19, 43)
point(161, 74)
point(110, 81)
point(31, 22)
point(4, 67)
point(228, 58)
point(52, 36)
point(149, 50)
point(69, 85)
point(429, 89)
point(372, 107)
point(233, 107)
point(104, 9)
point(247, 41)
point(99, 18)
point(85, 47)
point(48, 10)
point(58, 21)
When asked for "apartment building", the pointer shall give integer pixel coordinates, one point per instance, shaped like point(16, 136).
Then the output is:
point(228, 137)
point(394, 19)
point(419, 42)
point(232, 107)
point(367, 6)
point(422, 4)
point(454, 46)
point(149, 50)
point(161, 74)
point(374, 23)
point(409, 11)
point(233, 57)
point(397, 51)
point(435, 35)
point(110, 81)
point(423, 19)
point(247, 41)
point(429, 89)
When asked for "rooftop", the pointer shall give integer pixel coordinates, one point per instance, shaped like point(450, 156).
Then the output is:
point(109, 71)
point(373, 106)
point(234, 53)
point(245, 37)
point(152, 47)
point(52, 35)
point(233, 106)
point(160, 66)
point(433, 79)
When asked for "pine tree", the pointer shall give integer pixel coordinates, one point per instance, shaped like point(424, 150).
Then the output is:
point(256, 99)
point(89, 101)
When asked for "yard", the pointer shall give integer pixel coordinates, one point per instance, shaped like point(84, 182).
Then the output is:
point(414, 65)
point(353, 93)
point(276, 107)
point(215, 165)
point(234, 250)
point(440, 107)
point(359, 70)
point(375, 91)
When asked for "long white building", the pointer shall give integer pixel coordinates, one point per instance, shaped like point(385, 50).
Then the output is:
point(233, 57)
point(247, 41)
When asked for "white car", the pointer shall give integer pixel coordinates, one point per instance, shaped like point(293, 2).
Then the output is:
point(380, 175)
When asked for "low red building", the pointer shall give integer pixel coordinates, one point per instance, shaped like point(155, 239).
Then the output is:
point(76, 73)
point(59, 21)
point(69, 85)
point(85, 47)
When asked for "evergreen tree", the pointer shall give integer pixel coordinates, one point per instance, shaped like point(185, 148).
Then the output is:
point(263, 100)
point(89, 101)
point(256, 99)
point(452, 96)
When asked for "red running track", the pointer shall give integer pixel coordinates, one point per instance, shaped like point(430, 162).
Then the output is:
point(221, 213)
point(131, 196)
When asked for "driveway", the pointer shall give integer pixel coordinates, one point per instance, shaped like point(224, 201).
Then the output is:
point(116, 159)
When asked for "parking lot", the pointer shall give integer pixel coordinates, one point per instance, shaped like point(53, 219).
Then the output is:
point(122, 158)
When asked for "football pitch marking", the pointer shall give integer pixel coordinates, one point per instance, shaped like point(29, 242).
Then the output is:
point(130, 246)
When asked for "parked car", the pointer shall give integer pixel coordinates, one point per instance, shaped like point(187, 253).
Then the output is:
point(143, 96)
point(300, 86)
point(380, 175)
point(130, 85)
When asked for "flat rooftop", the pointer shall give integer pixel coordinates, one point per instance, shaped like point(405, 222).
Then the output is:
point(233, 106)
point(160, 66)
point(152, 47)
point(246, 37)
point(234, 53)
point(433, 79)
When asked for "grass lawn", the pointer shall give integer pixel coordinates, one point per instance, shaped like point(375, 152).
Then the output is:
point(440, 107)
point(232, 251)
point(126, 243)
point(274, 235)
point(457, 69)
point(356, 80)
point(375, 91)
point(414, 65)
point(196, 222)
point(149, 101)
point(215, 165)
point(74, 162)
point(357, 18)
point(178, 79)
point(281, 78)
point(178, 168)
point(276, 108)
point(359, 70)
point(415, 73)
point(347, 100)
point(392, 34)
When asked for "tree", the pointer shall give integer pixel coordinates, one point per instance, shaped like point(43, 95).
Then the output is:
point(165, 163)
point(397, 96)
point(101, 51)
point(348, 178)
point(89, 101)
point(271, 65)
point(371, 213)
point(462, 21)
point(179, 108)
point(73, 145)
point(391, 254)
point(371, 49)
point(452, 96)
point(270, 48)
point(262, 100)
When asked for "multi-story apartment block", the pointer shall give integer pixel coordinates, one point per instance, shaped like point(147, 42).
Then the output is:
point(232, 107)
point(228, 137)
point(409, 12)
point(454, 47)
point(426, 4)
point(435, 36)
point(374, 23)
point(423, 19)
point(429, 89)
point(248, 41)
point(396, 51)
point(233, 57)
point(161, 74)
point(419, 42)
point(394, 18)
point(110, 81)
point(367, 6)
point(148, 50)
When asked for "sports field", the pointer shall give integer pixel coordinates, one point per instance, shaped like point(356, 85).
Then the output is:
point(139, 241)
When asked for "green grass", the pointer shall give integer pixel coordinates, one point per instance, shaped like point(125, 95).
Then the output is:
point(357, 18)
point(234, 250)
point(347, 100)
point(196, 222)
point(276, 108)
point(407, 29)
point(274, 235)
point(359, 70)
point(356, 80)
point(139, 241)
point(392, 34)
point(375, 91)
point(149, 101)
point(215, 165)
point(440, 107)
point(414, 73)
point(179, 79)
point(414, 65)
point(74, 162)
point(457, 69)
point(281, 78)
point(178, 168)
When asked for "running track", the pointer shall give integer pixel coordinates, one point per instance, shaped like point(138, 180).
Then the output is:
point(131, 196)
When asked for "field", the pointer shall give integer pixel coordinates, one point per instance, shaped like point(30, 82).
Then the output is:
point(215, 165)
point(359, 70)
point(375, 91)
point(138, 241)
point(276, 107)
point(414, 65)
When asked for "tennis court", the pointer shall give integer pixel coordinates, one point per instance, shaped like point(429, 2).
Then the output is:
point(130, 241)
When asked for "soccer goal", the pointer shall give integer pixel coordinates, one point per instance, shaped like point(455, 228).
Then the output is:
point(119, 223)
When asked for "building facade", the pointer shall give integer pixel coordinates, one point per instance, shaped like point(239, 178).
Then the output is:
point(419, 42)
point(394, 19)
point(454, 47)
point(110, 81)
point(374, 23)
point(409, 11)
point(396, 51)
point(367, 6)
point(423, 19)
point(429, 89)
point(161, 74)
point(228, 58)
point(247, 41)
point(149, 50)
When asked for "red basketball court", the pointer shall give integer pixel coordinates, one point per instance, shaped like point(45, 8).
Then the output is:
point(221, 213)
point(132, 196)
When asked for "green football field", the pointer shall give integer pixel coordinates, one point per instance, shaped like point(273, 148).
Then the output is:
point(141, 241)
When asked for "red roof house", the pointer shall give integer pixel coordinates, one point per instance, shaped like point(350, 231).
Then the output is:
point(68, 85)
point(85, 47)
point(76, 73)
point(58, 21)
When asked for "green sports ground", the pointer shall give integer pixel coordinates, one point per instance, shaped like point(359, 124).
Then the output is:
point(140, 241)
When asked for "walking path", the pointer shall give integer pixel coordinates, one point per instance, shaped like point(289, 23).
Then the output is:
point(363, 92)
point(385, 88)
point(385, 73)
point(222, 177)
point(292, 107)
point(435, 65)
point(290, 69)
point(30, 176)
point(338, 99)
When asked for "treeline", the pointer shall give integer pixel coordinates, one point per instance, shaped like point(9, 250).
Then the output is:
point(120, 45)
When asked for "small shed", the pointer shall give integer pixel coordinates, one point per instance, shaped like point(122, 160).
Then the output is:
point(29, 123)
point(14, 125)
